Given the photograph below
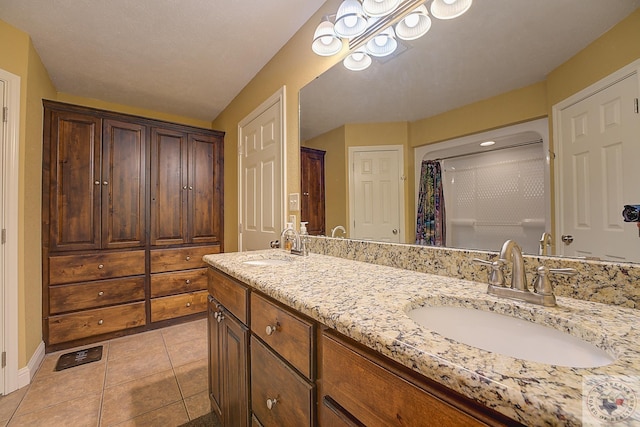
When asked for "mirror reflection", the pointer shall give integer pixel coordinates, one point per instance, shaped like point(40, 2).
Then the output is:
point(483, 75)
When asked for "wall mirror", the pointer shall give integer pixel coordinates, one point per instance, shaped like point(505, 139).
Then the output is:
point(494, 48)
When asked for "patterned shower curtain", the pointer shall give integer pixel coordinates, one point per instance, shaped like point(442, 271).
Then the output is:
point(430, 229)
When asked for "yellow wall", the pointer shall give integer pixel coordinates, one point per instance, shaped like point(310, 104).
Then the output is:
point(293, 66)
point(19, 57)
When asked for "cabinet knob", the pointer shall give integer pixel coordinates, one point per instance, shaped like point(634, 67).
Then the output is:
point(190, 187)
point(184, 188)
point(187, 281)
point(100, 266)
point(96, 182)
point(100, 322)
point(188, 258)
point(188, 304)
point(271, 329)
point(100, 293)
point(271, 403)
point(105, 182)
point(220, 317)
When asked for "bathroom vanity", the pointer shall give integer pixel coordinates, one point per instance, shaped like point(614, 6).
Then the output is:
point(327, 341)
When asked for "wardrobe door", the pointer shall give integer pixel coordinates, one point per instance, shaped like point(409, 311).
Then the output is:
point(312, 208)
point(75, 181)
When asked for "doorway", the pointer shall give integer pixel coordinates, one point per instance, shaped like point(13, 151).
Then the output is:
point(9, 141)
point(376, 193)
point(261, 174)
point(598, 134)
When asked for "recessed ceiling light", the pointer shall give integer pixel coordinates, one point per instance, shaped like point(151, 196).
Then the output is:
point(487, 143)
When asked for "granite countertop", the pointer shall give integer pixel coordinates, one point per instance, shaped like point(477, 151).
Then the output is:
point(369, 302)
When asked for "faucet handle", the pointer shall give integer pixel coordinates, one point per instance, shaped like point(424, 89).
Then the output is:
point(496, 276)
point(542, 284)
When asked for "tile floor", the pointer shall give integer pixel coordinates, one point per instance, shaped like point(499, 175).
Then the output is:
point(156, 378)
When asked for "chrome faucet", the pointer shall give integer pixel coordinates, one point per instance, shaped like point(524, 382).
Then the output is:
point(545, 243)
point(542, 289)
point(296, 248)
point(336, 228)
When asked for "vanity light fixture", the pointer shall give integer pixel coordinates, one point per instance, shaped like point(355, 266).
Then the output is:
point(370, 27)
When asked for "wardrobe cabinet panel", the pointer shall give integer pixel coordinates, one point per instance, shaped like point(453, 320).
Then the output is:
point(123, 179)
point(168, 187)
point(312, 209)
point(75, 181)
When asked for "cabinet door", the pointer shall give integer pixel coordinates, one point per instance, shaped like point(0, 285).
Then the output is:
point(168, 187)
point(75, 181)
point(235, 380)
point(123, 184)
point(205, 189)
point(312, 207)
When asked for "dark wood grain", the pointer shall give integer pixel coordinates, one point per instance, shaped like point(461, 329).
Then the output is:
point(312, 209)
point(100, 293)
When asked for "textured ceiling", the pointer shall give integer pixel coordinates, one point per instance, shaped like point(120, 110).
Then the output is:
point(497, 46)
point(187, 57)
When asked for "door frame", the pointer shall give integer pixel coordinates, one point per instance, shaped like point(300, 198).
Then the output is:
point(279, 97)
point(610, 80)
point(399, 149)
point(9, 218)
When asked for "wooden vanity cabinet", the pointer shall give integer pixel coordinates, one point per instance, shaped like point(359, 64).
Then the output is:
point(102, 277)
point(228, 350)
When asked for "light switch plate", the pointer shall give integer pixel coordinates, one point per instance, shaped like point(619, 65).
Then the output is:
point(294, 201)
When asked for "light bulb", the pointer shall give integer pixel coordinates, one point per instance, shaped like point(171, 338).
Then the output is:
point(449, 1)
point(380, 40)
point(350, 21)
point(412, 20)
point(326, 40)
point(358, 56)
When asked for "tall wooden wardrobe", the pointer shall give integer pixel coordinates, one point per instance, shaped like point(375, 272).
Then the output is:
point(312, 208)
point(129, 207)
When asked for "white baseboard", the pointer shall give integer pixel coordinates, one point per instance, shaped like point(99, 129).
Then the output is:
point(26, 374)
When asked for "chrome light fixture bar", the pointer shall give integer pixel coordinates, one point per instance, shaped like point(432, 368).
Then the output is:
point(370, 27)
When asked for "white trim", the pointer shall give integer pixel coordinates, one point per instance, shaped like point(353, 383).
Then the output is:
point(10, 267)
point(611, 79)
point(25, 375)
point(280, 96)
point(401, 180)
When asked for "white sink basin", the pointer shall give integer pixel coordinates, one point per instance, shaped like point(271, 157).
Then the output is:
point(267, 261)
point(510, 336)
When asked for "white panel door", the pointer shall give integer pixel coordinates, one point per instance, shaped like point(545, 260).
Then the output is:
point(599, 151)
point(376, 200)
point(261, 180)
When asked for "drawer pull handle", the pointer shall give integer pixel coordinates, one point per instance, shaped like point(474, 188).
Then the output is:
point(188, 258)
point(187, 281)
point(184, 188)
point(96, 182)
point(220, 317)
point(101, 266)
point(100, 293)
point(271, 329)
point(190, 187)
point(105, 183)
point(188, 304)
point(100, 322)
point(271, 403)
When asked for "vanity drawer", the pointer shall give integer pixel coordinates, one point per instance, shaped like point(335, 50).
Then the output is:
point(178, 305)
point(80, 296)
point(273, 379)
point(69, 327)
point(180, 258)
point(289, 335)
point(82, 268)
point(362, 388)
point(163, 284)
point(233, 295)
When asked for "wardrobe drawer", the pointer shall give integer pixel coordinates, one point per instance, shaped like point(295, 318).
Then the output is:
point(68, 327)
point(82, 268)
point(163, 284)
point(178, 305)
point(180, 258)
point(289, 335)
point(272, 379)
point(80, 296)
point(233, 295)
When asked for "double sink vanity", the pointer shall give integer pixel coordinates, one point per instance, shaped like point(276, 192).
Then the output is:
point(330, 340)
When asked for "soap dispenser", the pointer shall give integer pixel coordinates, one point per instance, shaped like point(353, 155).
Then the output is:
point(288, 237)
point(304, 238)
